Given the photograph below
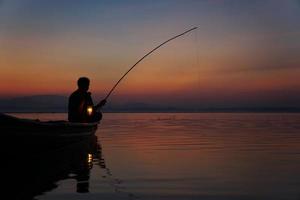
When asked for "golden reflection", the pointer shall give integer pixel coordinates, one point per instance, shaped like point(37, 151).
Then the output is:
point(90, 160)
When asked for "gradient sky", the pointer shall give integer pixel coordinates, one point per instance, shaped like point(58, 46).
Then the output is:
point(245, 53)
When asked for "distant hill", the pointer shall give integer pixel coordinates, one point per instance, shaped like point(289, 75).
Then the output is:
point(56, 103)
point(38, 103)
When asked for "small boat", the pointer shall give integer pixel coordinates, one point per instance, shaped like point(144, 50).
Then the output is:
point(19, 126)
point(36, 134)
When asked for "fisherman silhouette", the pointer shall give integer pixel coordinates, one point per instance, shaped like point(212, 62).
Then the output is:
point(81, 107)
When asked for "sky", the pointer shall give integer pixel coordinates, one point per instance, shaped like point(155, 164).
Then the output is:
point(244, 53)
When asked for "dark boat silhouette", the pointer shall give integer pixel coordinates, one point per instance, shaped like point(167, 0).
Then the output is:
point(36, 135)
point(19, 126)
point(36, 155)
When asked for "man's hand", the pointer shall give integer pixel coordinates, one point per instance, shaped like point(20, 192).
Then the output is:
point(102, 103)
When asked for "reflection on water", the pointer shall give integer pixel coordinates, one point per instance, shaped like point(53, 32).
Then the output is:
point(28, 174)
point(174, 157)
point(205, 156)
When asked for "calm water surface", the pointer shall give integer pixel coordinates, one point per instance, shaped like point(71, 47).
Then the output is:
point(190, 156)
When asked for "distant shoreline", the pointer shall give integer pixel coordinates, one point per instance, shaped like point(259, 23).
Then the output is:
point(59, 104)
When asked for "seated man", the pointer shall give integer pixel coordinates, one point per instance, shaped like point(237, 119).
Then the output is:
point(81, 107)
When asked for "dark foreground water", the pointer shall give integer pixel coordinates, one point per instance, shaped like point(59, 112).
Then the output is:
point(177, 156)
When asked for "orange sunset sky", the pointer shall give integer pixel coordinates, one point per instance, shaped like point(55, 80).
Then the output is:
point(244, 53)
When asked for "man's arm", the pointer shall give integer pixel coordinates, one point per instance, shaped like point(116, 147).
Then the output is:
point(100, 104)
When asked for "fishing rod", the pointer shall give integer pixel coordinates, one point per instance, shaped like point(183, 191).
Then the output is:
point(181, 34)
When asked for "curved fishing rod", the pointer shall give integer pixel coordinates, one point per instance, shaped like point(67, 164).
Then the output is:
point(112, 89)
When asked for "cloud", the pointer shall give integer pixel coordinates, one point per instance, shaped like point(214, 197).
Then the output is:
point(260, 68)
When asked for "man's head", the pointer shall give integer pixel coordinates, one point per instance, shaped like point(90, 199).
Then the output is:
point(83, 83)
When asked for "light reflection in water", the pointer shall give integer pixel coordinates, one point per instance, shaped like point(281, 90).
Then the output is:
point(90, 159)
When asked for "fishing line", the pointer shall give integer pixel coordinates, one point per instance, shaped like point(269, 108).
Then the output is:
point(197, 55)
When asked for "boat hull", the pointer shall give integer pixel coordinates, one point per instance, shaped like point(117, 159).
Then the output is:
point(37, 135)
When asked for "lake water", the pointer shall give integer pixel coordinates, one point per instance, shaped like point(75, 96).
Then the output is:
point(174, 156)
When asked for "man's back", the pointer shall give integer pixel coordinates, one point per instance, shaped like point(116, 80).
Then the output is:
point(78, 104)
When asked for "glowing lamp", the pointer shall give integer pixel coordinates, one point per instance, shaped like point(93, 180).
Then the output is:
point(90, 110)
